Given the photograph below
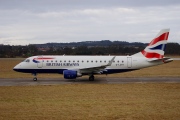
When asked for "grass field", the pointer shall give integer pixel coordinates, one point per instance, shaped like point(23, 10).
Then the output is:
point(91, 101)
point(143, 101)
point(166, 70)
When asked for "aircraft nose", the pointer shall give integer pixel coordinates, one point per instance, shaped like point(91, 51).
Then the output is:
point(16, 68)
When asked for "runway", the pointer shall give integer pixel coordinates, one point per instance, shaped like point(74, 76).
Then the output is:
point(55, 81)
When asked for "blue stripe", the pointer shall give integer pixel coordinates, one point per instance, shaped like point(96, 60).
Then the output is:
point(35, 61)
point(159, 47)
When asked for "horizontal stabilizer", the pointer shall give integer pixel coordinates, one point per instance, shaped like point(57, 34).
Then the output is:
point(165, 60)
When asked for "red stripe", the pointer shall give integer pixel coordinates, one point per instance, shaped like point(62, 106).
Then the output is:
point(44, 58)
point(151, 55)
point(160, 38)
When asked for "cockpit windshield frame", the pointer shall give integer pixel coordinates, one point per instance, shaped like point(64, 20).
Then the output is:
point(26, 60)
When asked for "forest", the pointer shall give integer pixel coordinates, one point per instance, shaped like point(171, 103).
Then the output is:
point(88, 48)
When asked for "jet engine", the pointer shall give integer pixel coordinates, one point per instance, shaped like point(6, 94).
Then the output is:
point(71, 74)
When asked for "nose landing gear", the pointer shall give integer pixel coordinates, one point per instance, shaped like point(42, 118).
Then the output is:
point(35, 78)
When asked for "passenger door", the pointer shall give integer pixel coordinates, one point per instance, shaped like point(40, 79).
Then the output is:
point(40, 62)
point(129, 62)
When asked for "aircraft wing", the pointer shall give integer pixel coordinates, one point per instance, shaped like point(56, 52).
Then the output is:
point(98, 69)
point(95, 69)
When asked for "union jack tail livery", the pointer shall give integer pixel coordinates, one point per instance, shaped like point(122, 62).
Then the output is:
point(155, 49)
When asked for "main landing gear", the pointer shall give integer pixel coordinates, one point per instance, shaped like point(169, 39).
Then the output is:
point(35, 78)
point(91, 78)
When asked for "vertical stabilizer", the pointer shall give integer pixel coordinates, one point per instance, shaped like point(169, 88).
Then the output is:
point(155, 49)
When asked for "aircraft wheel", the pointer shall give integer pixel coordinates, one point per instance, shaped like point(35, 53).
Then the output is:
point(91, 78)
point(35, 79)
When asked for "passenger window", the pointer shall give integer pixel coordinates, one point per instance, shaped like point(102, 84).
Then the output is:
point(73, 61)
point(105, 61)
point(82, 61)
point(51, 60)
point(78, 61)
point(60, 61)
point(47, 61)
point(69, 61)
point(100, 61)
point(87, 61)
point(92, 61)
point(96, 60)
point(64, 61)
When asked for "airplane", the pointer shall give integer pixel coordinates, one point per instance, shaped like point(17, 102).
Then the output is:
point(73, 67)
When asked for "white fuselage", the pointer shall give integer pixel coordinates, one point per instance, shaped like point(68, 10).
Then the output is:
point(83, 64)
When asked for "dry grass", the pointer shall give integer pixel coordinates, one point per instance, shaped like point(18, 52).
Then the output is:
point(167, 70)
point(91, 101)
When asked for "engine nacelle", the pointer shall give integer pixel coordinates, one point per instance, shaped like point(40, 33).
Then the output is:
point(70, 74)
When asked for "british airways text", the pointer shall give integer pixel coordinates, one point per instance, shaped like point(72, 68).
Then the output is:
point(62, 64)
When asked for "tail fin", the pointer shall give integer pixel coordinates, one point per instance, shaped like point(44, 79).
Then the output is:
point(155, 49)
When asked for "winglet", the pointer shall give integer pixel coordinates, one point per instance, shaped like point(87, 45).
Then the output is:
point(110, 62)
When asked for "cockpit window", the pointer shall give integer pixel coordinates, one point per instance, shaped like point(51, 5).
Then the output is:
point(27, 60)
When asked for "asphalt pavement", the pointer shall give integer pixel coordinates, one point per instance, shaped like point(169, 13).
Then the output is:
point(103, 80)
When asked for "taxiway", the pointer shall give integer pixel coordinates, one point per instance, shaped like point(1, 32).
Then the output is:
point(103, 80)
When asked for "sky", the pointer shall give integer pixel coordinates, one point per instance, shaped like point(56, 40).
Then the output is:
point(24, 22)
